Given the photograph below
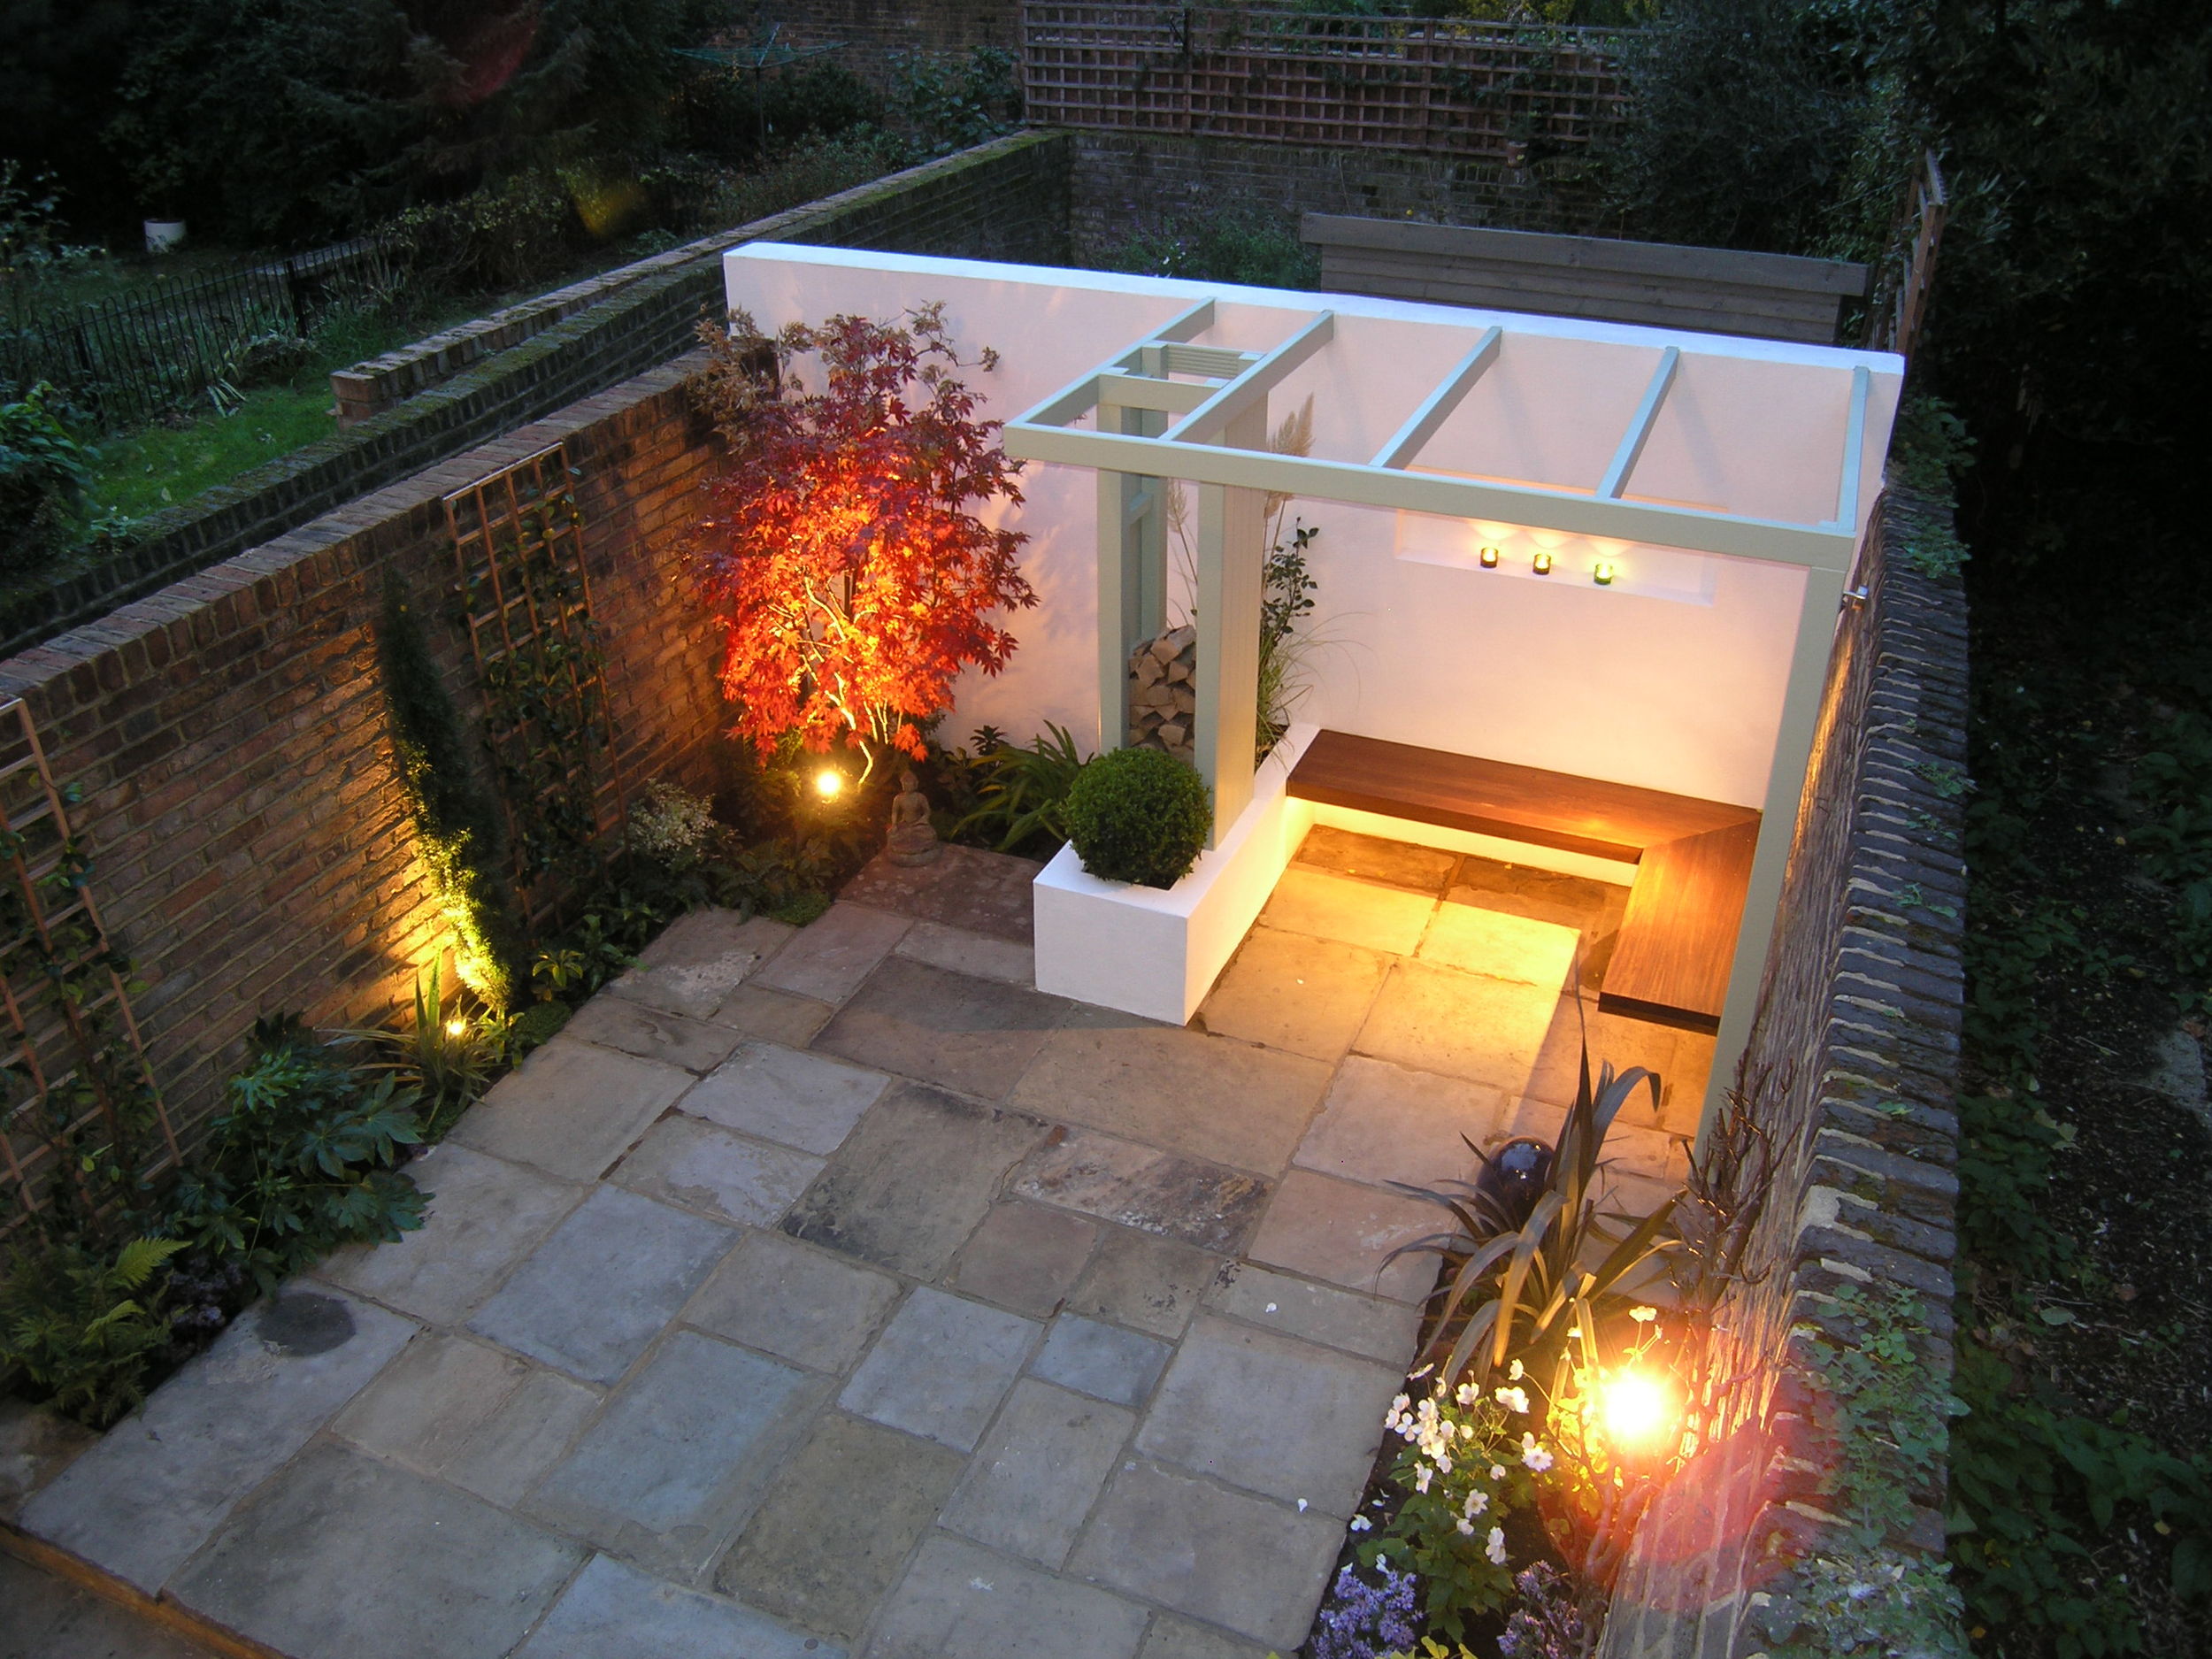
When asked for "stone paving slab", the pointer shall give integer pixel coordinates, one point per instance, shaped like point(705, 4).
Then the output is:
point(1025, 1257)
point(700, 960)
point(524, 1439)
point(965, 886)
point(774, 1015)
point(1344, 1233)
point(1174, 1638)
point(941, 1368)
point(36, 1444)
point(962, 1602)
point(1329, 906)
point(829, 957)
point(781, 1094)
point(1144, 1082)
point(681, 1454)
point(1149, 1284)
point(343, 1556)
point(427, 1404)
point(614, 1611)
point(704, 1167)
point(485, 1214)
point(1250, 1563)
point(1231, 1393)
point(1384, 1123)
point(1103, 1361)
point(1461, 1024)
point(161, 1482)
point(972, 1034)
point(1034, 1479)
point(1201, 1204)
point(836, 1531)
point(1305, 995)
point(570, 1109)
point(1371, 1327)
point(802, 1304)
point(592, 1297)
point(914, 1180)
point(964, 951)
point(651, 1033)
point(1372, 858)
point(1477, 940)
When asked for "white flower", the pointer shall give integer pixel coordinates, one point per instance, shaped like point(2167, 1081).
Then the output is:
point(1643, 1316)
point(1361, 1524)
point(1477, 1503)
point(1466, 1528)
point(1497, 1471)
point(1469, 1393)
point(1534, 1455)
point(1514, 1399)
point(1496, 1547)
point(1422, 1475)
point(1514, 1372)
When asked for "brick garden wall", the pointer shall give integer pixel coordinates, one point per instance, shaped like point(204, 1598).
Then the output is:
point(251, 850)
point(1004, 200)
point(1126, 182)
point(1858, 1043)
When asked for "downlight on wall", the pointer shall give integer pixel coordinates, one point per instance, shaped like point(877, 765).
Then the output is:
point(1527, 554)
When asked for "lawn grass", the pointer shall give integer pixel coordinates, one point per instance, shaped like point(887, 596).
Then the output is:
point(140, 472)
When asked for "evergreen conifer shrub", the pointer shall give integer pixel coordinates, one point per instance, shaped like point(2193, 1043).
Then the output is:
point(1139, 815)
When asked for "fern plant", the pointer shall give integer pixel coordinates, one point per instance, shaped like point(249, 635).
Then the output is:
point(82, 1327)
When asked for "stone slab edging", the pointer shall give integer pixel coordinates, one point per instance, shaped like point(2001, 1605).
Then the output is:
point(645, 322)
point(161, 1613)
point(1859, 1034)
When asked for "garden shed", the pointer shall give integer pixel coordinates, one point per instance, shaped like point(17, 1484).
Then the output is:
point(1577, 584)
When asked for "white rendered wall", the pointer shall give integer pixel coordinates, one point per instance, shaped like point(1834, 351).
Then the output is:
point(1671, 679)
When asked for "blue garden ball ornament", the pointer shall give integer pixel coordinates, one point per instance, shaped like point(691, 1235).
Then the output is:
point(1514, 1177)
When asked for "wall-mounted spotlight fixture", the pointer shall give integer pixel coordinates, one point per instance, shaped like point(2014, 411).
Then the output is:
point(1489, 557)
point(1601, 573)
point(1541, 563)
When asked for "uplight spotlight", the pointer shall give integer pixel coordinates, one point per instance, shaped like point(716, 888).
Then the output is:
point(1602, 574)
point(1541, 563)
point(829, 783)
point(1489, 557)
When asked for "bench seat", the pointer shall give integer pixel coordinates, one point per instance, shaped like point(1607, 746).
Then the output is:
point(1693, 857)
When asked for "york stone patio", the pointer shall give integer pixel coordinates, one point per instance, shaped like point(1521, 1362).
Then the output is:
point(834, 1292)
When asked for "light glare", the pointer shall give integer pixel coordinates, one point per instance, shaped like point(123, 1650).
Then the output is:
point(1635, 1410)
point(829, 783)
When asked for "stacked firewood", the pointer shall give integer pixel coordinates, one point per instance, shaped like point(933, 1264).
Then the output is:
point(1164, 693)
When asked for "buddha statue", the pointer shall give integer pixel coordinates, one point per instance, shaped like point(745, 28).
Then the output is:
point(913, 839)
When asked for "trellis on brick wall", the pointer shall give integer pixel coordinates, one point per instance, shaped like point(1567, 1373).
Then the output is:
point(82, 1105)
point(525, 601)
point(1507, 93)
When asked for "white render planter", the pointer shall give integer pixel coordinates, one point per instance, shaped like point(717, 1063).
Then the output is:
point(1157, 951)
point(163, 235)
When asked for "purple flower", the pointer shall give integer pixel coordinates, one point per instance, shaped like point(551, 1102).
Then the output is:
point(1360, 1620)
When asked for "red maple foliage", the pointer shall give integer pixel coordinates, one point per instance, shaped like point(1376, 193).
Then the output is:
point(850, 582)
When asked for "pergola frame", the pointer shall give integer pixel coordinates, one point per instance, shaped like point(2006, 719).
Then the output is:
point(1210, 431)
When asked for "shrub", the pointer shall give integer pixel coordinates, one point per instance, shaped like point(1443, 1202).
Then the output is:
point(302, 1161)
point(1139, 815)
point(43, 475)
point(82, 1328)
point(1242, 245)
point(1023, 791)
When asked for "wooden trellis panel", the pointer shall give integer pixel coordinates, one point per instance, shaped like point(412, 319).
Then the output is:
point(526, 602)
point(1491, 91)
point(77, 1087)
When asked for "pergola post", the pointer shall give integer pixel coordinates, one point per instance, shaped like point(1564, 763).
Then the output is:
point(1230, 524)
point(1131, 571)
point(1786, 782)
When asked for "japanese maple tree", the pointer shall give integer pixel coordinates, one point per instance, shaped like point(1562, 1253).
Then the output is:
point(851, 581)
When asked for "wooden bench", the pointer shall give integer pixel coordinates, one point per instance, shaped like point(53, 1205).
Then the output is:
point(1716, 290)
point(1693, 857)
